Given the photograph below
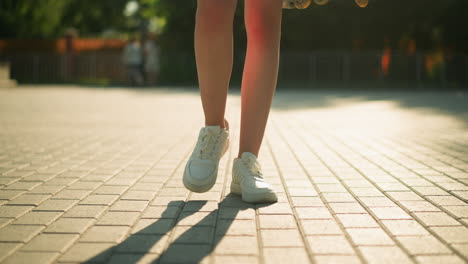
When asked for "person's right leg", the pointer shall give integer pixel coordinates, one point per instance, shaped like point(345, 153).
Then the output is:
point(213, 51)
point(214, 56)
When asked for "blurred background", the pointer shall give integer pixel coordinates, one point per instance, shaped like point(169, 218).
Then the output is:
point(415, 44)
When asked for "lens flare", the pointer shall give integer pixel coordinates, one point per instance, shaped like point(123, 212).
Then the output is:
point(321, 2)
point(302, 4)
point(362, 3)
point(298, 4)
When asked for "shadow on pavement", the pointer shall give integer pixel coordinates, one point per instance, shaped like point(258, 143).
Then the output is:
point(192, 246)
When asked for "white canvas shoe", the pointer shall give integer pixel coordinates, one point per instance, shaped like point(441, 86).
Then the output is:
point(201, 169)
point(248, 181)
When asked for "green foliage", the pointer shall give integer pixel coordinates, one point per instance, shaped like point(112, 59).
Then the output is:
point(338, 25)
point(91, 17)
point(29, 18)
point(50, 18)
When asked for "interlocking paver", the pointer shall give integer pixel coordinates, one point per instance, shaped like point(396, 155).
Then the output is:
point(200, 206)
point(281, 238)
point(47, 189)
point(197, 218)
point(313, 213)
point(458, 211)
point(76, 187)
point(236, 227)
point(446, 200)
point(19, 233)
point(69, 225)
point(377, 201)
point(462, 248)
point(321, 227)
point(462, 194)
point(50, 242)
point(196, 253)
point(405, 196)
point(118, 218)
point(343, 208)
point(236, 245)
point(418, 245)
point(194, 234)
point(160, 212)
point(419, 206)
point(337, 259)
point(22, 185)
point(367, 192)
point(110, 189)
point(82, 252)
point(285, 255)
point(390, 213)
point(307, 201)
point(72, 194)
point(277, 221)
point(357, 220)
point(143, 243)
point(235, 259)
point(431, 191)
point(369, 236)
point(436, 219)
point(405, 227)
point(84, 185)
point(56, 205)
point(277, 208)
point(5, 221)
point(232, 213)
point(453, 259)
point(29, 199)
point(339, 197)
point(38, 218)
point(330, 245)
point(7, 248)
point(14, 211)
point(27, 257)
point(99, 199)
point(91, 211)
point(113, 234)
point(129, 206)
point(452, 234)
point(153, 226)
point(138, 195)
point(384, 255)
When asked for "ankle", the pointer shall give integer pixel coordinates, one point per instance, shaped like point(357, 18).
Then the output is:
point(222, 124)
point(239, 155)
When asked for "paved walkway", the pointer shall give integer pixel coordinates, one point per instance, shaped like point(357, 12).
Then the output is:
point(94, 175)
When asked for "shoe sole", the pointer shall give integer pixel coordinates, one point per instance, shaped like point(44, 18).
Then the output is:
point(207, 187)
point(253, 197)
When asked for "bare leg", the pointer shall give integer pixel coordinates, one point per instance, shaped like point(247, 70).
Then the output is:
point(263, 24)
point(214, 56)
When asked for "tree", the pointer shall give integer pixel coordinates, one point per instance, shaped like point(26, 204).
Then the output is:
point(50, 18)
point(26, 18)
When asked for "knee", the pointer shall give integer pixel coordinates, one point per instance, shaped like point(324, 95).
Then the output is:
point(214, 15)
point(261, 30)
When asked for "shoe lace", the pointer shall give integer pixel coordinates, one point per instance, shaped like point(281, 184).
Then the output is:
point(208, 145)
point(254, 169)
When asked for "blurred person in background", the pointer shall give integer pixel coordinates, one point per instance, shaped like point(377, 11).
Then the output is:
point(132, 58)
point(151, 67)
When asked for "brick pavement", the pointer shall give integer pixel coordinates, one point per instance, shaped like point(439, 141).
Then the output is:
point(94, 175)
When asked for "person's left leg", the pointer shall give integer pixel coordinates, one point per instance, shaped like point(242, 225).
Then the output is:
point(263, 25)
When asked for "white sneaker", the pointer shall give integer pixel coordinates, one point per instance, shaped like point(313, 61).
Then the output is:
point(248, 181)
point(201, 169)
